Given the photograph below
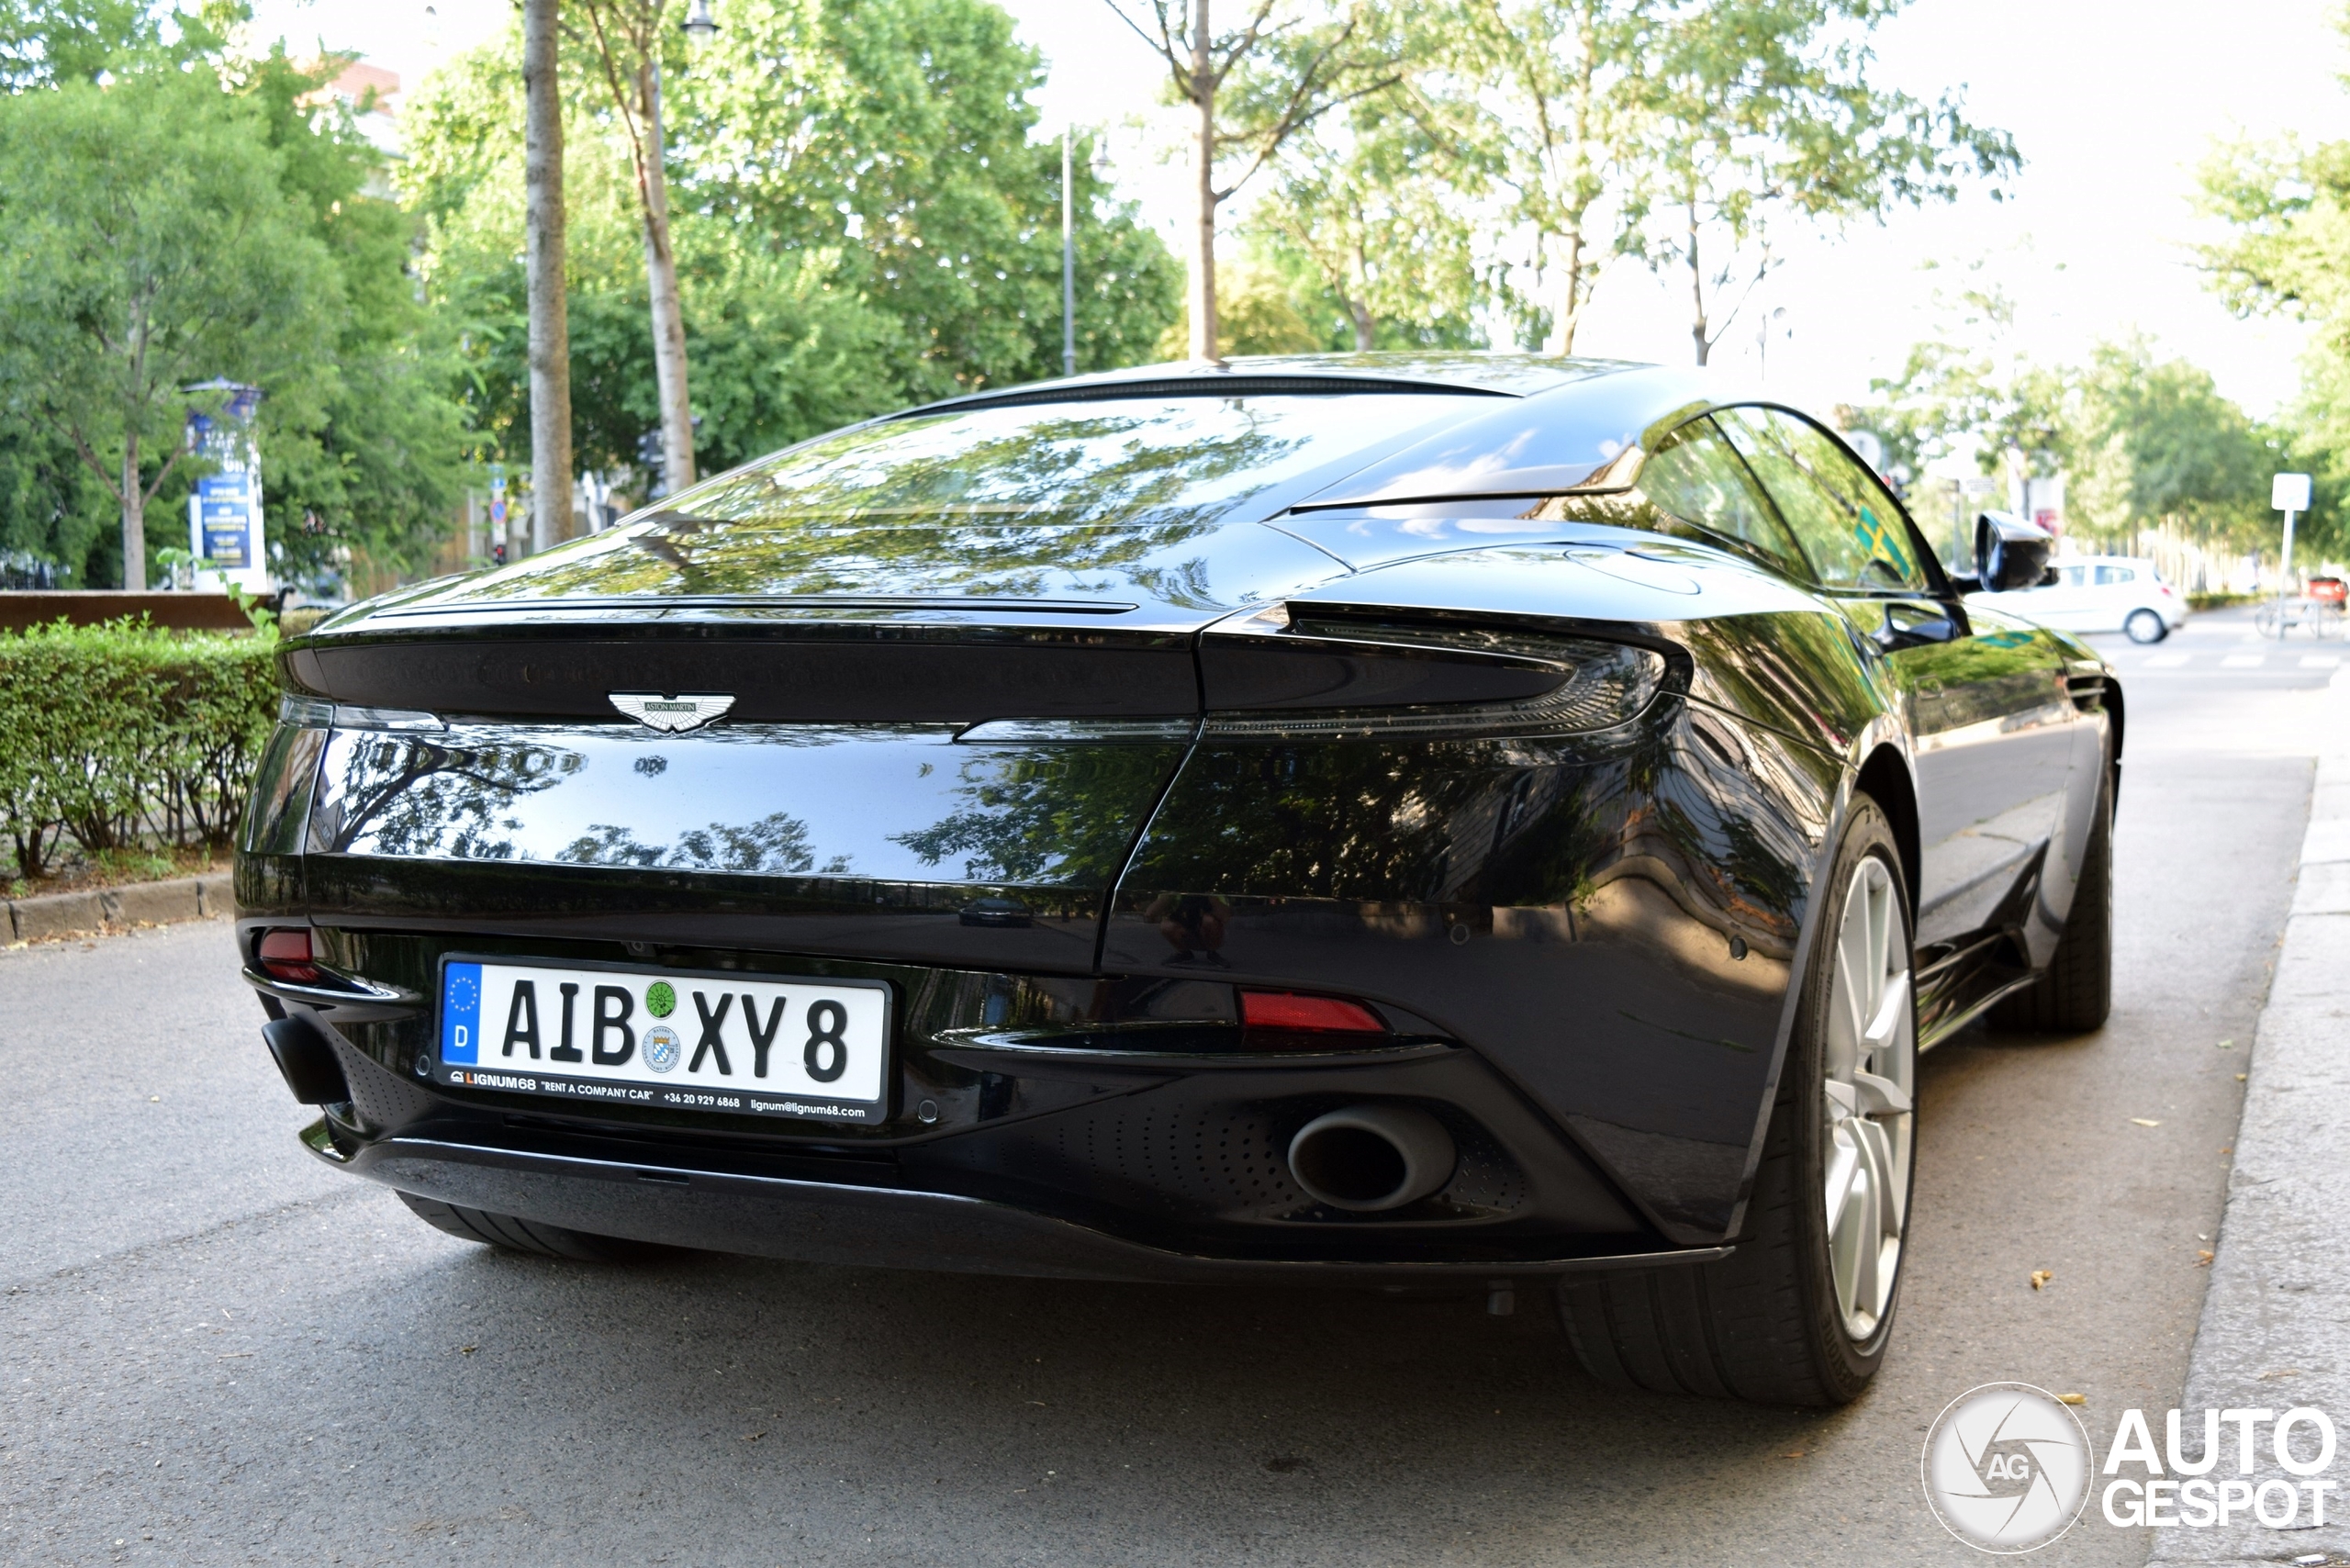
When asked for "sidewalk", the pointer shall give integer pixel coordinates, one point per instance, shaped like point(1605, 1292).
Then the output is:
point(2275, 1327)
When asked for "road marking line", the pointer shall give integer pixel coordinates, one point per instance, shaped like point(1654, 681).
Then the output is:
point(2243, 661)
point(2320, 661)
point(2168, 661)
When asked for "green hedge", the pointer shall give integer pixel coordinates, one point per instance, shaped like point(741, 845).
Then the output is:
point(120, 736)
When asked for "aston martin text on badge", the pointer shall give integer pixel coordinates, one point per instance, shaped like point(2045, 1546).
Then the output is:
point(675, 714)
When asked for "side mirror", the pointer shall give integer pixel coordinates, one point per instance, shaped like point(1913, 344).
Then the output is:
point(1906, 628)
point(2011, 552)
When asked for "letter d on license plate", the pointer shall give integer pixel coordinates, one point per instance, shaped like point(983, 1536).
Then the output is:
point(732, 1043)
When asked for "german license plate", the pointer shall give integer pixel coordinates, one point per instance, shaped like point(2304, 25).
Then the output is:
point(604, 1035)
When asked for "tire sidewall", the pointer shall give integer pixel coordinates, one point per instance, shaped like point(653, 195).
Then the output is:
point(1867, 835)
point(2137, 619)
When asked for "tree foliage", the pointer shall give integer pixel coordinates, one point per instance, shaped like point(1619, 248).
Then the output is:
point(861, 222)
point(2287, 206)
point(1374, 242)
point(146, 242)
point(1758, 111)
point(2142, 443)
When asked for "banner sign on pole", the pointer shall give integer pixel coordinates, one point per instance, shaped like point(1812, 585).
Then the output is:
point(224, 512)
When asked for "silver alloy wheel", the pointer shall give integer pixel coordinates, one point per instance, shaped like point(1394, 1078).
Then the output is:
point(1872, 1064)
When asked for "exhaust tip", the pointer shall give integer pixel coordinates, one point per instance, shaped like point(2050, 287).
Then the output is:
point(306, 1060)
point(1368, 1158)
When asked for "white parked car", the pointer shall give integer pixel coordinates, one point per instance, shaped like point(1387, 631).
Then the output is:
point(2100, 593)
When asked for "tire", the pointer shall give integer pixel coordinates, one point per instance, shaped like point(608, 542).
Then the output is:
point(1770, 1323)
point(529, 1236)
point(2075, 993)
point(2144, 626)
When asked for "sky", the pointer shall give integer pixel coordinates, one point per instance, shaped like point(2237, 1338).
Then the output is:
point(2114, 107)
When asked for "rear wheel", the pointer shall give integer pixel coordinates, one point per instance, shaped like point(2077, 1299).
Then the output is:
point(525, 1235)
point(2076, 992)
point(2145, 626)
point(1800, 1313)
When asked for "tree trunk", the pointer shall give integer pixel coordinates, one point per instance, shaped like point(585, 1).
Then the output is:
point(1357, 312)
point(1562, 335)
point(1577, 291)
point(661, 274)
point(1697, 292)
point(134, 513)
point(550, 333)
point(1204, 86)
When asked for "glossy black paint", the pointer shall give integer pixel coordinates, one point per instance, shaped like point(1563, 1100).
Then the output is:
point(1192, 667)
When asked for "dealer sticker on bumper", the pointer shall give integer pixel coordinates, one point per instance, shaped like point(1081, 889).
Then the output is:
point(697, 1042)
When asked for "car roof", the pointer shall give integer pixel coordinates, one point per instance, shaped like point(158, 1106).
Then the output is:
point(1472, 372)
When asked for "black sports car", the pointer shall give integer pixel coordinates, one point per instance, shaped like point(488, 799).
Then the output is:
point(1474, 819)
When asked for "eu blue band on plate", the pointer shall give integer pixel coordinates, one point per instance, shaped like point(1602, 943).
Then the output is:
point(461, 1013)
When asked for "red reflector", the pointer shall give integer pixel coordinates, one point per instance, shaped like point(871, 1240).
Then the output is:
point(286, 955)
point(1288, 1010)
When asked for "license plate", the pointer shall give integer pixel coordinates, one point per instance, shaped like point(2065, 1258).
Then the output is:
point(610, 1035)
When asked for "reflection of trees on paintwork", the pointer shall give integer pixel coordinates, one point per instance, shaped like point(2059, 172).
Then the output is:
point(997, 502)
point(775, 845)
point(1505, 824)
point(1060, 814)
point(1499, 821)
point(403, 795)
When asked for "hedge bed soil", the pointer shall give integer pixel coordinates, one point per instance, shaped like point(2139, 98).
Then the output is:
point(98, 910)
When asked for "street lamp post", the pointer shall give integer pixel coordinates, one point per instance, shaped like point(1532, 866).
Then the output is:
point(1068, 255)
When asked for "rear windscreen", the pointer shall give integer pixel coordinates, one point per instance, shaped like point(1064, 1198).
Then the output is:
point(1017, 500)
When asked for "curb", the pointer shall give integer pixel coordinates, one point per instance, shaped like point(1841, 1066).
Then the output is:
point(2272, 1336)
point(101, 909)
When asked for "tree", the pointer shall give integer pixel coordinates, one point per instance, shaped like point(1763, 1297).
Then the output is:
point(146, 244)
point(544, 244)
point(1360, 210)
point(860, 221)
point(2142, 443)
point(1757, 108)
point(896, 133)
point(378, 462)
point(630, 37)
point(1286, 67)
point(46, 43)
point(2288, 206)
point(1538, 100)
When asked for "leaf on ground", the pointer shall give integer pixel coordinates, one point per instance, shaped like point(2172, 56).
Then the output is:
point(2071, 1399)
point(2203, 1258)
point(2141, 1121)
point(2041, 1277)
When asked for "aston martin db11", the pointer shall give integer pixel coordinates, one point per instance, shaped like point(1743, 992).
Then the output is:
point(1469, 820)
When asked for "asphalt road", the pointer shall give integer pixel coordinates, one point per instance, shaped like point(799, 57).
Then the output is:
point(214, 1349)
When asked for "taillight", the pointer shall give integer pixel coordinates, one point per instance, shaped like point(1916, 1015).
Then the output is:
point(1289, 1020)
point(1296, 672)
point(285, 955)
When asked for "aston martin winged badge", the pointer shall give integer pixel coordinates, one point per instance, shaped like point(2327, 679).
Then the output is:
point(675, 714)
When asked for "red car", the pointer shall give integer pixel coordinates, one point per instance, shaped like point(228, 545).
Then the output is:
point(2329, 590)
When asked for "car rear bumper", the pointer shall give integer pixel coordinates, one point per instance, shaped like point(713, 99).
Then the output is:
point(823, 1222)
